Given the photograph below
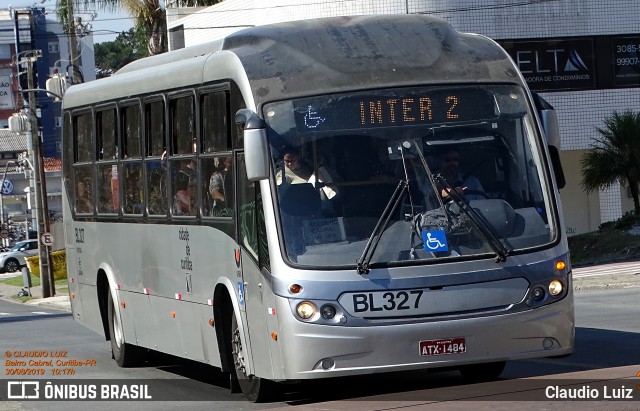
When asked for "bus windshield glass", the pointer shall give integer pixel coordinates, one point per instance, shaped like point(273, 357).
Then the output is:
point(405, 175)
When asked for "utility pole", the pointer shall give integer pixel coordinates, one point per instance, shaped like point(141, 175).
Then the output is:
point(73, 43)
point(42, 218)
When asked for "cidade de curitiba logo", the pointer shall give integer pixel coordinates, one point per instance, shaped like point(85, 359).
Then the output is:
point(58, 390)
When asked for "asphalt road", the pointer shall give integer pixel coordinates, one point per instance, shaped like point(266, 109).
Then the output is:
point(607, 352)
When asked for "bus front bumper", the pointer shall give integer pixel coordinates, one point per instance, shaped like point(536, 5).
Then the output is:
point(319, 351)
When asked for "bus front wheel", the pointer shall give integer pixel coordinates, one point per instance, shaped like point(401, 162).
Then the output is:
point(255, 389)
point(126, 355)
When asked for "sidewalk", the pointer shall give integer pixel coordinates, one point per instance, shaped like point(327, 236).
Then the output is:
point(10, 293)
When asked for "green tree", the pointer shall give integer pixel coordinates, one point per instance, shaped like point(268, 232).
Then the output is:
point(112, 55)
point(615, 156)
point(150, 16)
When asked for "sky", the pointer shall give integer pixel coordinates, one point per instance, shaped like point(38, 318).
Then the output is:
point(105, 26)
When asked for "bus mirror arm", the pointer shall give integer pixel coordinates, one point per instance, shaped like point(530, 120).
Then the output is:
point(256, 146)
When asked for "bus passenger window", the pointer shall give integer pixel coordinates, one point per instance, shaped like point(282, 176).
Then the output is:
point(131, 132)
point(183, 131)
point(108, 188)
point(106, 134)
point(220, 188)
point(132, 188)
point(82, 125)
point(83, 191)
point(154, 125)
point(215, 123)
point(156, 188)
point(184, 184)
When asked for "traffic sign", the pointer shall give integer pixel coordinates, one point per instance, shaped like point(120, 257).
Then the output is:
point(46, 239)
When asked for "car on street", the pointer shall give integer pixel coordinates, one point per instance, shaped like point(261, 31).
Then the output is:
point(14, 259)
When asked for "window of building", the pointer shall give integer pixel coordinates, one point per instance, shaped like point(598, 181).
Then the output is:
point(54, 47)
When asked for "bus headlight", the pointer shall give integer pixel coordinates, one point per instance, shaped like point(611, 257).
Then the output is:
point(306, 310)
point(555, 287)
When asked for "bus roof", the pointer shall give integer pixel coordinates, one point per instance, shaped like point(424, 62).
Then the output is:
point(291, 59)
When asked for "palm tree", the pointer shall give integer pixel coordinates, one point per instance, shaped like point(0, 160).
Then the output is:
point(150, 16)
point(615, 156)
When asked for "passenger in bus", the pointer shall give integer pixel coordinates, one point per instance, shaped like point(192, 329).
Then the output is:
point(467, 185)
point(297, 171)
point(221, 188)
point(185, 183)
point(83, 198)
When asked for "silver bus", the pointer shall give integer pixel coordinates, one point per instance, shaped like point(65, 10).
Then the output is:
point(321, 198)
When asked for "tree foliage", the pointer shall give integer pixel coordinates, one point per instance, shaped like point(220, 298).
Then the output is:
point(112, 55)
point(150, 16)
point(615, 156)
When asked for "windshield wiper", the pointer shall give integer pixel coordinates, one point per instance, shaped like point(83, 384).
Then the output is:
point(383, 221)
point(478, 221)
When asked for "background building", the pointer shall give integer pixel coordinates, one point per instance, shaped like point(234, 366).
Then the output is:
point(23, 30)
point(583, 56)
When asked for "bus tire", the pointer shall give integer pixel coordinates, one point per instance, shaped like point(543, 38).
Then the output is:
point(255, 389)
point(482, 372)
point(125, 355)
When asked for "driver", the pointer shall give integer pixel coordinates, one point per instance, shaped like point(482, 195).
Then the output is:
point(449, 168)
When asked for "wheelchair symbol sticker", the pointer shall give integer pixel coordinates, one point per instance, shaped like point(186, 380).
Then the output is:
point(435, 240)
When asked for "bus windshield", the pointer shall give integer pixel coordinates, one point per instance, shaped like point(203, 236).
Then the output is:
point(400, 176)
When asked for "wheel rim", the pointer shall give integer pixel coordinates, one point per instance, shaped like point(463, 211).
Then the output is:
point(238, 351)
point(117, 328)
point(11, 266)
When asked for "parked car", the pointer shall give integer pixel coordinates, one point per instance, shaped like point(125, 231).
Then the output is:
point(13, 260)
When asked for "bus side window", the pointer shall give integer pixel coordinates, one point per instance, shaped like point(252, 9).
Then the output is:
point(156, 181)
point(108, 183)
point(83, 168)
point(215, 125)
point(183, 132)
point(131, 131)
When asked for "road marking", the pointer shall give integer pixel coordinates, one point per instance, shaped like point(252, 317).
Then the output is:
point(39, 313)
point(5, 313)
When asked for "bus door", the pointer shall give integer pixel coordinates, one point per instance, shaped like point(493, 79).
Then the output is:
point(256, 299)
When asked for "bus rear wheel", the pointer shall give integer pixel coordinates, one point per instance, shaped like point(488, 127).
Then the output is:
point(482, 372)
point(255, 389)
point(126, 355)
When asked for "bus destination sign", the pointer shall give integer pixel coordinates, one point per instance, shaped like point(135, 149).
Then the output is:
point(391, 108)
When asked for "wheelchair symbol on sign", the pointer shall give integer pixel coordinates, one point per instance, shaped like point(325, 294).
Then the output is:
point(435, 240)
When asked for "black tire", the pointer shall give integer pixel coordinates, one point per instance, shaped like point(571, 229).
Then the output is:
point(482, 372)
point(253, 388)
point(126, 355)
point(11, 265)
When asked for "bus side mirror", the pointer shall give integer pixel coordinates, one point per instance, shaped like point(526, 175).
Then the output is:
point(551, 130)
point(256, 148)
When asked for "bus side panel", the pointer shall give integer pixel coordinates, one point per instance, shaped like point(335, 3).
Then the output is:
point(90, 315)
point(144, 321)
point(275, 346)
point(189, 320)
point(208, 335)
point(165, 336)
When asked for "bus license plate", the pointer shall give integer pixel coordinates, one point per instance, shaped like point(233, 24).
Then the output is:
point(443, 347)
